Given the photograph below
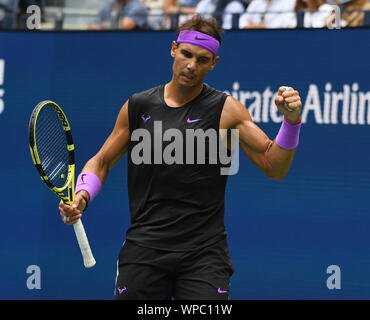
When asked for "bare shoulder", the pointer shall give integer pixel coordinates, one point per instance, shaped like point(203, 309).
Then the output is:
point(123, 114)
point(233, 113)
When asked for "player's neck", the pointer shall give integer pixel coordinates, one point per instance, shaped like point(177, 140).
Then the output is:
point(176, 95)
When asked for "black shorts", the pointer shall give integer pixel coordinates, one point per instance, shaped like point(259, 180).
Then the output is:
point(146, 274)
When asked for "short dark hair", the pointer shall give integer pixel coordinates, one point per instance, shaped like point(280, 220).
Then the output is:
point(198, 23)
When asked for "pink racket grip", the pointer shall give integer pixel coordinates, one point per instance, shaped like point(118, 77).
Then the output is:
point(288, 136)
point(89, 182)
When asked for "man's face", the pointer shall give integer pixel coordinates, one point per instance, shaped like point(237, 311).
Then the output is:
point(191, 63)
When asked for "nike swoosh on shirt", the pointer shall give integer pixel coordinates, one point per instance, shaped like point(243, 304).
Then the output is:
point(191, 121)
point(221, 291)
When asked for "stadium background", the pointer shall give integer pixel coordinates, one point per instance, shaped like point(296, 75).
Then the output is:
point(282, 234)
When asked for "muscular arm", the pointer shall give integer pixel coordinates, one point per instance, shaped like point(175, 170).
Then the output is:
point(263, 152)
point(113, 149)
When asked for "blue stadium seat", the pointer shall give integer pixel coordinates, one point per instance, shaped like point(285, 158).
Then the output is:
point(367, 19)
point(9, 10)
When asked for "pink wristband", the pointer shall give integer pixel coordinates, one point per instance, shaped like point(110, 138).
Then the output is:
point(89, 182)
point(288, 136)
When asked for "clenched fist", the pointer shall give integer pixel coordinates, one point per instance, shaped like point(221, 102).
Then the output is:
point(289, 104)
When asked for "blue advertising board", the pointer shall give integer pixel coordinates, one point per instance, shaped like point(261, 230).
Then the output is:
point(305, 237)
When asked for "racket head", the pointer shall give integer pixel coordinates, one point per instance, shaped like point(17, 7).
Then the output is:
point(52, 148)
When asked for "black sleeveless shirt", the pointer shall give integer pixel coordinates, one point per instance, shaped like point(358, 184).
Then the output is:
point(178, 205)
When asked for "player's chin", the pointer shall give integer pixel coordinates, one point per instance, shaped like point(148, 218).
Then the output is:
point(186, 81)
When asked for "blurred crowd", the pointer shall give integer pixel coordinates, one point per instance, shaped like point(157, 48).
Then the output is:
point(168, 14)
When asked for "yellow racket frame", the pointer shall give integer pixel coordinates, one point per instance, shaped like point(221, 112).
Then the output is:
point(70, 147)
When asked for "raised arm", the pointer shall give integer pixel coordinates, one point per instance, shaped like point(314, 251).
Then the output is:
point(113, 149)
point(272, 159)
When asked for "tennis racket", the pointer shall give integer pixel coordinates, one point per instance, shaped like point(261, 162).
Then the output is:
point(52, 152)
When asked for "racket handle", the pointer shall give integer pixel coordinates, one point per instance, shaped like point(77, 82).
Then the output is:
point(87, 255)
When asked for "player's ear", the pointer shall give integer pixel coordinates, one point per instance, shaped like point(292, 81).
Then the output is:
point(173, 49)
point(214, 62)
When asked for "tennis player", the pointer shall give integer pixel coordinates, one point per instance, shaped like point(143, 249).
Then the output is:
point(176, 245)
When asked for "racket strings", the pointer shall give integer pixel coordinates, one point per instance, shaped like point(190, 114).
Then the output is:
point(51, 145)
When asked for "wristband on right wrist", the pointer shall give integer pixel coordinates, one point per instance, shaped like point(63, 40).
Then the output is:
point(288, 136)
point(89, 182)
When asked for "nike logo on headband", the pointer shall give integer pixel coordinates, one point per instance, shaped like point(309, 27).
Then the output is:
point(199, 39)
point(196, 38)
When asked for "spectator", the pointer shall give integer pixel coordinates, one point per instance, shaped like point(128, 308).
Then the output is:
point(353, 12)
point(263, 14)
point(8, 10)
point(206, 8)
point(188, 5)
point(227, 12)
point(312, 13)
point(182, 6)
point(155, 14)
point(177, 11)
point(121, 14)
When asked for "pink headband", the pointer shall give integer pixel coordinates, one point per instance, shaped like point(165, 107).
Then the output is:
point(199, 39)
